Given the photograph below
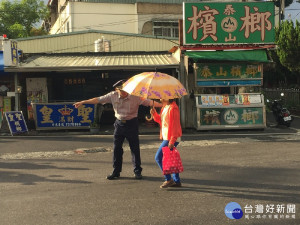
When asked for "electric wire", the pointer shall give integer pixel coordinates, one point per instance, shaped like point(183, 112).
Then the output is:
point(124, 22)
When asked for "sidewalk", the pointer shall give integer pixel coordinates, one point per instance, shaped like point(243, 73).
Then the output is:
point(104, 130)
point(144, 129)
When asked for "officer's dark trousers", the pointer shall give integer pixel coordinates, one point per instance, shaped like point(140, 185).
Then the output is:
point(130, 131)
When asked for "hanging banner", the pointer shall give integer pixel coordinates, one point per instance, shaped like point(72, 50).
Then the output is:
point(63, 116)
point(10, 50)
point(16, 122)
point(229, 23)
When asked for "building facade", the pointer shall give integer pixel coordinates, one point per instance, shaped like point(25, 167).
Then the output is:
point(150, 17)
point(138, 17)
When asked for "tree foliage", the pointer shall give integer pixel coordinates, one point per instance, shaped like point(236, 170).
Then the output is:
point(288, 42)
point(18, 18)
point(38, 31)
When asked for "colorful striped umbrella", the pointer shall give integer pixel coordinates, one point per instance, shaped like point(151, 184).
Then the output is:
point(154, 85)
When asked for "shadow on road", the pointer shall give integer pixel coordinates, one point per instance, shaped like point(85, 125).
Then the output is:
point(235, 190)
point(30, 179)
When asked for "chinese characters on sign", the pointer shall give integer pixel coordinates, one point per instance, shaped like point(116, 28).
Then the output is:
point(231, 116)
point(228, 71)
point(212, 118)
point(16, 122)
point(14, 53)
point(63, 116)
point(270, 211)
point(228, 74)
point(74, 81)
point(203, 20)
point(216, 23)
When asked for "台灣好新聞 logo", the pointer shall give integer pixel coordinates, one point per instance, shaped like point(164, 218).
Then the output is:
point(233, 211)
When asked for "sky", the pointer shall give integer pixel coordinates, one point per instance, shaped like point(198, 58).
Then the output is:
point(293, 10)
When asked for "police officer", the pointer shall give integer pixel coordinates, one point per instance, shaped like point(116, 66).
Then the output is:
point(126, 125)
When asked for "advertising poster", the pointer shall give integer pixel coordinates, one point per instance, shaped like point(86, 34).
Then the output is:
point(6, 104)
point(246, 100)
point(226, 100)
point(37, 92)
point(219, 100)
point(212, 100)
point(204, 100)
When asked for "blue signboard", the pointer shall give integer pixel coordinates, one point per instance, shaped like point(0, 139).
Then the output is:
point(63, 116)
point(16, 122)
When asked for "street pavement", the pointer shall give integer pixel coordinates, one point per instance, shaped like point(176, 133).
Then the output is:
point(59, 178)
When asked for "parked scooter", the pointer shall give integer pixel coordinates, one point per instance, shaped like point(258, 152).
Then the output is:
point(282, 115)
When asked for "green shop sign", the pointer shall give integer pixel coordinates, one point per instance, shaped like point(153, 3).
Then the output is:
point(232, 116)
point(228, 71)
point(228, 23)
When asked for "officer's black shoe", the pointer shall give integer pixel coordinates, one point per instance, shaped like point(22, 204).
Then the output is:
point(138, 175)
point(113, 175)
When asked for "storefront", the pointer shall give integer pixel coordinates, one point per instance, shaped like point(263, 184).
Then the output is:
point(58, 80)
point(228, 92)
point(224, 55)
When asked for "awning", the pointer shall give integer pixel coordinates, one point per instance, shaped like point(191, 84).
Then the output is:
point(95, 61)
point(239, 55)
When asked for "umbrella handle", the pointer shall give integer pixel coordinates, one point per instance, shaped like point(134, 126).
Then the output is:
point(151, 117)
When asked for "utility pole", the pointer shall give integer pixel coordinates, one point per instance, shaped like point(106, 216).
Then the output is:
point(281, 10)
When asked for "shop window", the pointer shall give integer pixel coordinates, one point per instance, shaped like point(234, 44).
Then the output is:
point(165, 28)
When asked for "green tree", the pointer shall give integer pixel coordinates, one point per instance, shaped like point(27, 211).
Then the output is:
point(288, 43)
point(19, 17)
point(38, 31)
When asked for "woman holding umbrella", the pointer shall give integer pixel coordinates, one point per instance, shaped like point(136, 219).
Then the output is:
point(170, 133)
point(156, 85)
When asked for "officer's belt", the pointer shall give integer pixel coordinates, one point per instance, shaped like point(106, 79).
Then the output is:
point(126, 121)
